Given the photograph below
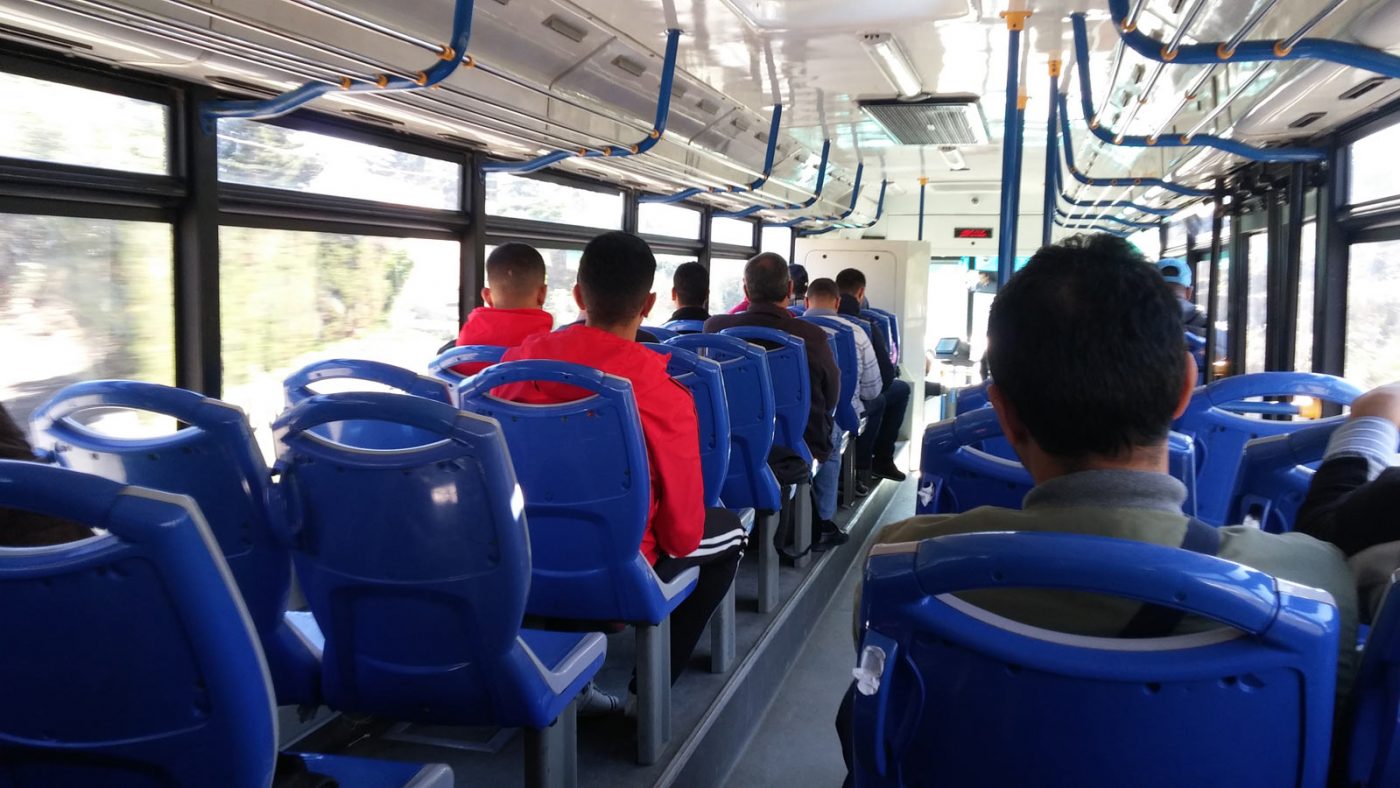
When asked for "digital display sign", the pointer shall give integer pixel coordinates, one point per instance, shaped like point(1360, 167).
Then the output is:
point(972, 233)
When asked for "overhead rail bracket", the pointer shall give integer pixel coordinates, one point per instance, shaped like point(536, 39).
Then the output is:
point(855, 196)
point(754, 186)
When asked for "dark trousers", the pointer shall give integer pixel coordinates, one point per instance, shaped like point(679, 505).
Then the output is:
point(718, 558)
point(884, 415)
point(845, 733)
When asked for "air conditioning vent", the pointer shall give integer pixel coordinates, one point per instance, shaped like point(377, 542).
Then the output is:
point(708, 106)
point(941, 120)
point(372, 118)
point(243, 86)
point(459, 139)
point(566, 29)
point(1307, 120)
point(629, 65)
point(1362, 88)
point(42, 39)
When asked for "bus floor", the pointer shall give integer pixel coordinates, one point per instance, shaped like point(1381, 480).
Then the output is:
point(714, 717)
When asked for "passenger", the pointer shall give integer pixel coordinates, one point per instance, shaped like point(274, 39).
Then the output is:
point(19, 528)
point(1089, 368)
point(614, 287)
point(514, 294)
point(821, 301)
point(798, 273)
point(690, 292)
point(642, 335)
point(1178, 276)
point(768, 289)
point(1356, 492)
point(885, 414)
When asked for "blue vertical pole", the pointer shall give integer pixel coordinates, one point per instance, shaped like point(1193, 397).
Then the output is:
point(1052, 157)
point(923, 182)
point(1011, 147)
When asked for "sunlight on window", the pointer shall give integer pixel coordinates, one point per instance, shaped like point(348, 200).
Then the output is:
point(1307, 269)
point(734, 232)
point(1373, 314)
point(1373, 166)
point(666, 265)
point(654, 218)
point(50, 121)
point(514, 197)
point(726, 284)
point(561, 272)
point(1257, 300)
point(777, 240)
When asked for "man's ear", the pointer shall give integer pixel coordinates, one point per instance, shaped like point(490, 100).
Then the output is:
point(578, 298)
point(486, 296)
point(675, 299)
point(1012, 427)
point(1188, 387)
point(746, 293)
point(789, 295)
point(650, 302)
point(541, 295)
point(860, 294)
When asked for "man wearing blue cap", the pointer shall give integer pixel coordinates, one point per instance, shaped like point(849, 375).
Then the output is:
point(1178, 276)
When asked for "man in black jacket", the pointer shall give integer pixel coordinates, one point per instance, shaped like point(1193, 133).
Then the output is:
point(884, 415)
point(26, 529)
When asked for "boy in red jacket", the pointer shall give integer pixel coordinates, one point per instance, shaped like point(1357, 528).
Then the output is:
point(515, 290)
point(614, 289)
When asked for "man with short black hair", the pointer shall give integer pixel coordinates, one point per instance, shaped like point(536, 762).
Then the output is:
point(885, 414)
point(690, 292)
point(615, 278)
point(514, 294)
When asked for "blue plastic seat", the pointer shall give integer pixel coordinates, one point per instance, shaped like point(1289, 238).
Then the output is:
point(886, 325)
point(1221, 434)
point(661, 334)
point(1274, 476)
point(417, 566)
point(797, 310)
point(792, 392)
point(1374, 755)
point(1196, 346)
point(955, 695)
point(442, 366)
point(973, 397)
point(685, 326)
point(587, 491)
point(892, 334)
point(216, 462)
point(957, 471)
point(367, 434)
point(849, 363)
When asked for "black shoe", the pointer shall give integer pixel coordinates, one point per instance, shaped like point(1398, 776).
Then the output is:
point(886, 469)
point(863, 484)
point(829, 536)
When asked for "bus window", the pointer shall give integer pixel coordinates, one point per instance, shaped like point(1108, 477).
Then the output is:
point(82, 299)
point(50, 121)
point(1372, 166)
point(1373, 314)
point(777, 240)
point(1149, 242)
point(288, 298)
point(1257, 295)
point(1302, 353)
point(514, 197)
point(666, 265)
point(674, 221)
point(726, 284)
point(732, 232)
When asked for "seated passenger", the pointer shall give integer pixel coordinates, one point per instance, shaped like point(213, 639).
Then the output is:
point(1178, 276)
point(27, 529)
point(690, 292)
point(885, 414)
point(614, 288)
point(1089, 368)
point(821, 301)
point(515, 290)
point(1356, 492)
point(798, 274)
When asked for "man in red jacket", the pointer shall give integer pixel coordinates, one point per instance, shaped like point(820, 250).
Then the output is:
point(515, 290)
point(614, 290)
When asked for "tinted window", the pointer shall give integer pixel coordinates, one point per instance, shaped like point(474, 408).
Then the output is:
point(50, 121)
point(514, 197)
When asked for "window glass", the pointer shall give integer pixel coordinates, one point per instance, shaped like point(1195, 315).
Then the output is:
point(1149, 242)
point(82, 299)
point(777, 240)
point(1373, 314)
point(666, 265)
point(290, 298)
point(50, 121)
point(1222, 321)
point(734, 232)
point(1302, 353)
point(1257, 297)
point(659, 218)
point(260, 154)
point(726, 283)
point(1373, 167)
point(948, 283)
point(514, 197)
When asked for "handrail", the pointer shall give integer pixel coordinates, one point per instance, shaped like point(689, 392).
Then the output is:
point(1069, 217)
point(1185, 191)
point(1086, 97)
point(753, 186)
point(450, 57)
point(855, 196)
point(879, 211)
point(792, 206)
point(1098, 228)
point(663, 109)
point(1011, 148)
point(1052, 163)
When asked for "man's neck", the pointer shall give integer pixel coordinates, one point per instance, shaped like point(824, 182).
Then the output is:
point(1043, 467)
point(627, 331)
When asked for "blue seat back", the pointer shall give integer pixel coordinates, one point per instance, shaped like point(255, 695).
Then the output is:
point(416, 562)
point(885, 324)
point(749, 482)
point(367, 434)
point(1196, 346)
point(1274, 475)
point(958, 471)
point(893, 333)
point(973, 397)
point(968, 698)
point(848, 361)
point(792, 386)
point(130, 659)
point(705, 380)
point(661, 334)
point(1374, 757)
point(442, 366)
point(216, 462)
point(685, 326)
point(1221, 434)
point(587, 489)
point(797, 310)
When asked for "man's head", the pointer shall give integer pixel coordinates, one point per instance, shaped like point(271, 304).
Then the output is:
point(766, 279)
point(1178, 275)
point(514, 278)
point(823, 294)
point(1088, 361)
point(690, 285)
point(798, 274)
point(615, 277)
point(852, 283)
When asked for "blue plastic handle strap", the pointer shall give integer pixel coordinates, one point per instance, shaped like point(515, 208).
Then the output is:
point(1208, 53)
point(1067, 142)
point(466, 354)
point(663, 110)
point(403, 409)
point(793, 206)
point(298, 385)
point(1086, 98)
point(717, 346)
point(451, 56)
point(184, 406)
point(542, 371)
point(1280, 384)
point(753, 186)
point(855, 196)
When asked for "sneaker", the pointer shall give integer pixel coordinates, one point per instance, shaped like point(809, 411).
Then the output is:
point(886, 469)
point(593, 702)
point(830, 536)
